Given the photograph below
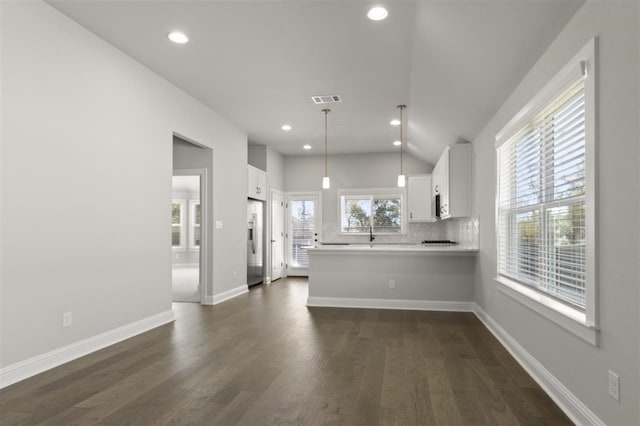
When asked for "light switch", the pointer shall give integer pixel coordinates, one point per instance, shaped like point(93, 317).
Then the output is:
point(218, 224)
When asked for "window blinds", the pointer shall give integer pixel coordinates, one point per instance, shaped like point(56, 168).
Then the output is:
point(541, 199)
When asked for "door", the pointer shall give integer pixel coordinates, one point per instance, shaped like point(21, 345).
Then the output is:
point(302, 232)
point(277, 235)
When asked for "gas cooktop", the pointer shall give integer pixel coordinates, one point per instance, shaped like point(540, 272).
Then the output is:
point(441, 242)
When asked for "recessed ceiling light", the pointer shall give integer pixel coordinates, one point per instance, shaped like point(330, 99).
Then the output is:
point(307, 147)
point(286, 127)
point(377, 13)
point(397, 143)
point(177, 37)
point(395, 122)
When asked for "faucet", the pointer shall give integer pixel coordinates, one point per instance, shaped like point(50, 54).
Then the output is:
point(371, 236)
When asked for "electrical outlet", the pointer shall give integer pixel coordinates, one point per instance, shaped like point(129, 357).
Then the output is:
point(392, 283)
point(66, 319)
point(614, 386)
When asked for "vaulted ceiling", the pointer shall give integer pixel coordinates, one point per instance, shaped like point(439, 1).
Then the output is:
point(259, 63)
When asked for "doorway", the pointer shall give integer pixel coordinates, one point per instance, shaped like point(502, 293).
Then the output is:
point(277, 235)
point(187, 231)
point(303, 213)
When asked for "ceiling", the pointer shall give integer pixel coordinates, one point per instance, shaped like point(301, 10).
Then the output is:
point(259, 62)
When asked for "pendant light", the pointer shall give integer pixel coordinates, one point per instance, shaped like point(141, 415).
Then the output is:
point(401, 177)
point(326, 184)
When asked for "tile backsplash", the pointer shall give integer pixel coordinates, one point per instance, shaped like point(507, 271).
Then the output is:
point(463, 231)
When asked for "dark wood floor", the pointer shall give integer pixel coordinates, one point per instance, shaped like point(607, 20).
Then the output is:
point(264, 358)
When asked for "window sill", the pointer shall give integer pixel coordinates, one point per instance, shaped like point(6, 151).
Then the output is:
point(381, 234)
point(562, 315)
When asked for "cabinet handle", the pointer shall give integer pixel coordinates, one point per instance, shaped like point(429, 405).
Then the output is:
point(410, 215)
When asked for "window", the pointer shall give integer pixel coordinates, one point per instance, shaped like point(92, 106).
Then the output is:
point(546, 194)
point(177, 224)
point(194, 224)
point(379, 212)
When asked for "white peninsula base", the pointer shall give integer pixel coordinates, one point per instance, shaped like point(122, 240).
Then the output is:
point(392, 277)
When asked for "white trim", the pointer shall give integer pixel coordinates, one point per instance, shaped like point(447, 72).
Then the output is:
point(277, 196)
point(318, 226)
point(204, 227)
point(587, 327)
point(226, 295)
point(410, 305)
point(569, 72)
point(554, 311)
point(575, 409)
point(372, 193)
point(30, 367)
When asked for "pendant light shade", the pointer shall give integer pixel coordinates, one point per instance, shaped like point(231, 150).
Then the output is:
point(401, 177)
point(326, 183)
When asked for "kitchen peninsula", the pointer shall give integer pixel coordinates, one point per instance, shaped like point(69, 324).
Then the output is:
point(392, 276)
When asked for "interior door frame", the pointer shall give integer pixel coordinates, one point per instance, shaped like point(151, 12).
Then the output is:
point(275, 193)
point(204, 228)
point(318, 224)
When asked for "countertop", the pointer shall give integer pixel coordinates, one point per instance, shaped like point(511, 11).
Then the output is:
point(391, 248)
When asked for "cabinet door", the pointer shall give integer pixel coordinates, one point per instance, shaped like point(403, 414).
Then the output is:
point(419, 199)
point(256, 183)
point(252, 182)
point(262, 185)
point(436, 188)
point(444, 184)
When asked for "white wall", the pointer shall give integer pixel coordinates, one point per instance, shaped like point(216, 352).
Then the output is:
point(580, 367)
point(380, 170)
point(80, 117)
point(257, 156)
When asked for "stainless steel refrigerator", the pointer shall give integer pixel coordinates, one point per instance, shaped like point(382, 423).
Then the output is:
point(255, 249)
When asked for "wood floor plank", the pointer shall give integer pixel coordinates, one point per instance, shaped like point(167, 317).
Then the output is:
point(264, 358)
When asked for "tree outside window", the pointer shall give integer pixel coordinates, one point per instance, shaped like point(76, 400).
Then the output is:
point(364, 213)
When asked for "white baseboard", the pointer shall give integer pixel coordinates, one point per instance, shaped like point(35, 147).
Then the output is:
point(226, 295)
point(413, 305)
point(30, 367)
point(578, 412)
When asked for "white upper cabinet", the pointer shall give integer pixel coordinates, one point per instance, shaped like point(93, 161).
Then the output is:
point(451, 183)
point(256, 183)
point(419, 198)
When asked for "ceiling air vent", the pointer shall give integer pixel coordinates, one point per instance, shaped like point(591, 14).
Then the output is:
point(327, 99)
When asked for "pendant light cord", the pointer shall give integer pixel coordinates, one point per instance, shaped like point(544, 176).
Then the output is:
point(326, 112)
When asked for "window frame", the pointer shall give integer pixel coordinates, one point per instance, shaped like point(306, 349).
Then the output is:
point(374, 193)
point(182, 225)
point(581, 323)
point(192, 224)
